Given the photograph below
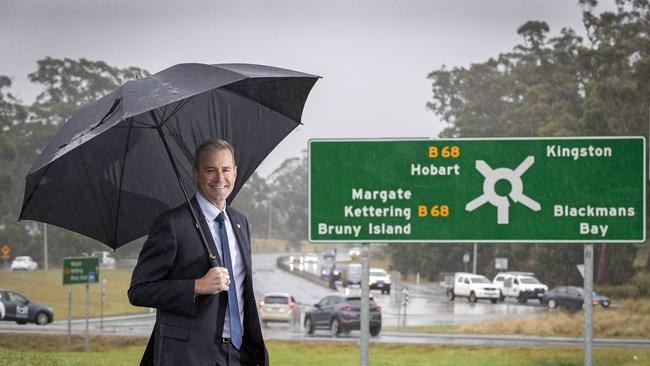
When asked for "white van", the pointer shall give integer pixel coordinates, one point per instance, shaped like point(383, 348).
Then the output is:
point(474, 287)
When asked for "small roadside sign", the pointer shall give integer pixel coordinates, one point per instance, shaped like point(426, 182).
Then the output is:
point(5, 251)
point(80, 270)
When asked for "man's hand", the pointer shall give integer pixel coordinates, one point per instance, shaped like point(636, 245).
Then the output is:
point(215, 280)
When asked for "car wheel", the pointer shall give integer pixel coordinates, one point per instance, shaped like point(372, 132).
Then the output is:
point(21, 322)
point(42, 318)
point(388, 291)
point(309, 326)
point(552, 304)
point(335, 327)
point(472, 297)
point(604, 304)
point(374, 331)
point(501, 297)
point(450, 295)
point(494, 301)
point(382, 291)
point(522, 299)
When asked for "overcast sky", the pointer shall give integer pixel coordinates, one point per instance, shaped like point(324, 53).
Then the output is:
point(373, 55)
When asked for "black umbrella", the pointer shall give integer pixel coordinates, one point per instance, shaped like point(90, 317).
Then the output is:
point(112, 167)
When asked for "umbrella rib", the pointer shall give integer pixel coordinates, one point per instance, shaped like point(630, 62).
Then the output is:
point(145, 124)
point(176, 109)
point(137, 127)
point(119, 189)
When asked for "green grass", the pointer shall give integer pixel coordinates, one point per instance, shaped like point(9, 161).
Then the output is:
point(45, 287)
point(49, 350)
point(422, 329)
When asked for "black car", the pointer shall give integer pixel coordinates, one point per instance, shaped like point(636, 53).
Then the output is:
point(16, 307)
point(571, 297)
point(341, 314)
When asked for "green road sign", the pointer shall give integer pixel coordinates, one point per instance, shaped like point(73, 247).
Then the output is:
point(478, 190)
point(80, 270)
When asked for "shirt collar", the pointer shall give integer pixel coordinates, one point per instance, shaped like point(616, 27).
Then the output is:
point(209, 210)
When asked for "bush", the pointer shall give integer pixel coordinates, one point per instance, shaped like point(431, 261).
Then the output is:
point(637, 288)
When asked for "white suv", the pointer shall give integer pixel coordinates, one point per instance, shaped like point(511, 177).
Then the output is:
point(379, 280)
point(520, 285)
point(24, 263)
point(105, 259)
point(474, 287)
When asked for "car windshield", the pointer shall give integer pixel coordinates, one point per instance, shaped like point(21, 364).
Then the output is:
point(276, 300)
point(529, 280)
point(356, 301)
point(378, 273)
point(23, 259)
point(479, 280)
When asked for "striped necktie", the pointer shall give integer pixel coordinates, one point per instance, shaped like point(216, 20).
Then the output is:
point(233, 305)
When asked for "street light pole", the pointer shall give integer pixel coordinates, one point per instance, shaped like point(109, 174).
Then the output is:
point(475, 251)
point(45, 246)
point(268, 234)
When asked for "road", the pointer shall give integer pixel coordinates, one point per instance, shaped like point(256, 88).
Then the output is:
point(428, 306)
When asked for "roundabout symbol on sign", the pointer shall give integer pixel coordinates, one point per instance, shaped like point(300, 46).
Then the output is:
point(492, 176)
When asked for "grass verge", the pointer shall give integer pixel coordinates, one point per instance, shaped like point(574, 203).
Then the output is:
point(46, 287)
point(630, 319)
point(49, 350)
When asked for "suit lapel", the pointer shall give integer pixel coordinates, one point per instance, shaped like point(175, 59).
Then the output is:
point(237, 227)
point(206, 230)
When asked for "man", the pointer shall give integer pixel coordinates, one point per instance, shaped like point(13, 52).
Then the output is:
point(206, 316)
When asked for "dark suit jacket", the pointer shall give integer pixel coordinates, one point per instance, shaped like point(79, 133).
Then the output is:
point(187, 327)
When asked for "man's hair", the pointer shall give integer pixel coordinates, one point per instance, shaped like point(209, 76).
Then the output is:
point(212, 145)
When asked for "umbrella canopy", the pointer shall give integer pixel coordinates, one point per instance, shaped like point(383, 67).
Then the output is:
point(106, 173)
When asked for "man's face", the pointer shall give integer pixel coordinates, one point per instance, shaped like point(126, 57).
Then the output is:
point(215, 175)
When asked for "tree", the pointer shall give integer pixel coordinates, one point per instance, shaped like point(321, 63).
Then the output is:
point(252, 200)
point(558, 86)
point(288, 200)
point(68, 86)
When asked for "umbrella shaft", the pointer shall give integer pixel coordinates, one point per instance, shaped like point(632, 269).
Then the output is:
point(214, 261)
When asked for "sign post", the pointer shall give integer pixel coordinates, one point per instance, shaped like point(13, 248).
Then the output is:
point(77, 271)
point(588, 302)
point(496, 190)
point(5, 254)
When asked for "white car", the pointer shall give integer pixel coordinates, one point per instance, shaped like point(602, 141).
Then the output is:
point(278, 307)
point(380, 280)
point(311, 258)
point(105, 259)
point(520, 285)
point(355, 252)
point(24, 263)
point(474, 287)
